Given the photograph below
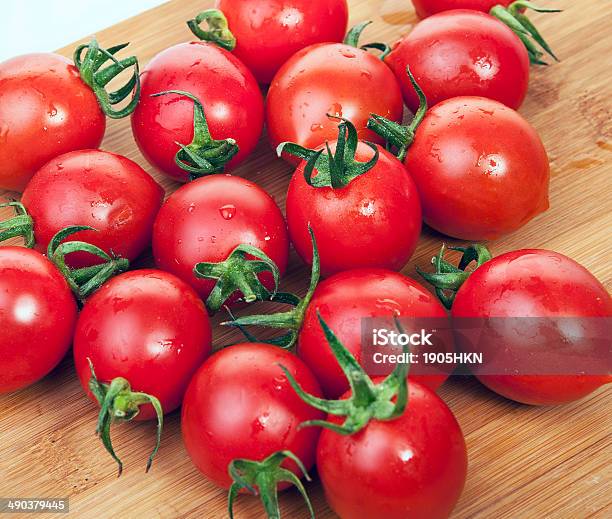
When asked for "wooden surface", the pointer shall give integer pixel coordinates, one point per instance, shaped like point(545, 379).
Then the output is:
point(524, 462)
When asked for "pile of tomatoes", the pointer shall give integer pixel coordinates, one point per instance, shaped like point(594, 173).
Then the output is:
point(257, 416)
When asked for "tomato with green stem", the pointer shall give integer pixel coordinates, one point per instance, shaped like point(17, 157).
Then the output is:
point(425, 8)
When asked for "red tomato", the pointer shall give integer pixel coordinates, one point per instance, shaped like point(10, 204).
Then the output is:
point(426, 8)
point(240, 404)
point(148, 327)
point(374, 221)
point(335, 79)
point(45, 110)
point(343, 301)
point(229, 93)
point(462, 53)
point(269, 32)
point(205, 220)
point(105, 191)
point(37, 316)
point(533, 283)
point(480, 168)
point(412, 466)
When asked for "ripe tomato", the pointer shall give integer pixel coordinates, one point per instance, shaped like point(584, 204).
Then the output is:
point(46, 109)
point(532, 285)
point(426, 8)
point(343, 301)
point(228, 92)
point(462, 53)
point(205, 220)
point(267, 33)
point(239, 405)
point(37, 317)
point(329, 78)
point(102, 190)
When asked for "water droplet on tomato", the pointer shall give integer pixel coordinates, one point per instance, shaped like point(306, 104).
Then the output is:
point(347, 53)
point(228, 211)
point(191, 208)
point(335, 110)
point(52, 111)
point(213, 239)
point(366, 74)
point(4, 130)
point(316, 127)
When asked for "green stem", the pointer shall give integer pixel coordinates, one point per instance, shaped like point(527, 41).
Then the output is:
point(218, 30)
point(354, 34)
point(18, 225)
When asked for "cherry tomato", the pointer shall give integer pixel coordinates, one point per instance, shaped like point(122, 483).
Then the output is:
point(269, 32)
point(37, 315)
point(373, 221)
point(480, 168)
point(205, 220)
point(412, 466)
point(229, 93)
point(45, 110)
point(336, 79)
point(343, 301)
point(105, 191)
point(426, 8)
point(240, 404)
point(534, 283)
point(462, 53)
point(148, 327)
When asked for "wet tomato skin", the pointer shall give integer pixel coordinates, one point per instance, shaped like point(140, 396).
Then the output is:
point(205, 220)
point(269, 32)
point(37, 316)
point(229, 93)
point(108, 192)
point(240, 404)
point(462, 53)
point(426, 8)
point(424, 457)
point(374, 221)
point(480, 168)
point(45, 110)
point(149, 327)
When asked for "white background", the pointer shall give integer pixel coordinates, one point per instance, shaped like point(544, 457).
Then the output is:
point(45, 25)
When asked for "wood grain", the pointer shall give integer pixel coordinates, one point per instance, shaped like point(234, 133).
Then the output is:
point(524, 462)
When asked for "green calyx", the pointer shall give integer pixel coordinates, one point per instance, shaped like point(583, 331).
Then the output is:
point(352, 38)
point(333, 170)
point(118, 403)
point(447, 279)
point(368, 401)
point(263, 477)
point(290, 320)
point(204, 155)
point(514, 17)
point(18, 225)
point(238, 272)
point(97, 77)
point(397, 135)
point(218, 30)
point(84, 281)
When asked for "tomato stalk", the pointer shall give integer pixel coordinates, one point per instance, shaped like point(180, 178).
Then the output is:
point(204, 155)
point(18, 225)
point(218, 30)
point(263, 477)
point(97, 77)
point(398, 135)
point(352, 39)
point(513, 16)
point(368, 401)
point(119, 403)
point(447, 279)
point(238, 272)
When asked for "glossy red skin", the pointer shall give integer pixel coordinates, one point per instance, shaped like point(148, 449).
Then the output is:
point(45, 110)
point(105, 191)
point(334, 79)
point(229, 93)
point(414, 466)
point(37, 316)
point(193, 227)
point(269, 32)
point(535, 283)
point(426, 8)
point(343, 301)
point(149, 327)
point(374, 221)
point(240, 404)
point(480, 168)
point(462, 53)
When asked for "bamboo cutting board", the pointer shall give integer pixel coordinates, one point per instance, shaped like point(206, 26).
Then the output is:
point(525, 462)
